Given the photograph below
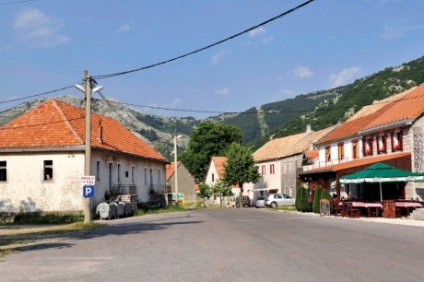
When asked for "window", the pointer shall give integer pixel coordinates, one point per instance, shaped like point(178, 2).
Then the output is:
point(48, 170)
point(397, 143)
point(119, 173)
point(368, 146)
point(145, 176)
point(110, 176)
point(132, 174)
point(340, 150)
point(381, 144)
point(98, 170)
point(355, 149)
point(327, 153)
point(271, 169)
point(213, 177)
point(3, 171)
point(263, 170)
point(158, 176)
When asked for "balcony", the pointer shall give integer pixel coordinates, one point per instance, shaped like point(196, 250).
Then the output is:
point(323, 164)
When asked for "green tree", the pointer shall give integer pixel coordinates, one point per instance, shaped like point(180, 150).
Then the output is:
point(240, 167)
point(317, 198)
point(205, 191)
point(221, 189)
point(208, 139)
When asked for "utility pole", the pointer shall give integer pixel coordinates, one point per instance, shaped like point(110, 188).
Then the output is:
point(176, 168)
point(87, 167)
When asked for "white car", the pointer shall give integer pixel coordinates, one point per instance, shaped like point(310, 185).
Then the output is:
point(275, 200)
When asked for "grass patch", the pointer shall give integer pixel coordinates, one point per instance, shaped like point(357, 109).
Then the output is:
point(147, 210)
point(285, 208)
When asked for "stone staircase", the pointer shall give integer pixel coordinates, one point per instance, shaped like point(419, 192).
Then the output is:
point(417, 214)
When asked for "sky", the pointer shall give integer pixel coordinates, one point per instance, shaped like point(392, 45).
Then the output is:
point(46, 45)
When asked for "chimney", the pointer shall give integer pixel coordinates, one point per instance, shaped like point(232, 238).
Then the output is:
point(308, 128)
point(100, 131)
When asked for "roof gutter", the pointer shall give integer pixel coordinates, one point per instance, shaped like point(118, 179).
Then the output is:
point(401, 123)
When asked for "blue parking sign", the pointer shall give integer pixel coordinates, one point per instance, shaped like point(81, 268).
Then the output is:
point(88, 191)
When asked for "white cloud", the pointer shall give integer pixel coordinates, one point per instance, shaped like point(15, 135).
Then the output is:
point(218, 56)
point(283, 94)
point(392, 32)
point(344, 77)
point(223, 92)
point(259, 35)
point(124, 28)
point(39, 30)
point(257, 32)
point(302, 72)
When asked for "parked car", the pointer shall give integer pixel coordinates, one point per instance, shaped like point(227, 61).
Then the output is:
point(260, 201)
point(275, 200)
point(246, 201)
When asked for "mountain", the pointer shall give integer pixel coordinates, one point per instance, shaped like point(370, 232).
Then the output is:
point(319, 109)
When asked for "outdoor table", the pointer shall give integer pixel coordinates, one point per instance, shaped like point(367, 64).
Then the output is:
point(349, 208)
point(408, 206)
point(372, 208)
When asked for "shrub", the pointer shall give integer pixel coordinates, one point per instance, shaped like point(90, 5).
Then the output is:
point(317, 198)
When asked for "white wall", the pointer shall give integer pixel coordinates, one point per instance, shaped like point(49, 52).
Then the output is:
point(26, 189)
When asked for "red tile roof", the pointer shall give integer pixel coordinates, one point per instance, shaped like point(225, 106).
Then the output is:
point(406, 105)
point(54, 125)
point(170, 168)
point(219, 166)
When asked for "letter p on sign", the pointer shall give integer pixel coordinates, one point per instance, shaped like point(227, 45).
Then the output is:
point(88, 191)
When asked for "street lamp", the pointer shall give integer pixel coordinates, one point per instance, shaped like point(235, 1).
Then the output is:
point(87, 169)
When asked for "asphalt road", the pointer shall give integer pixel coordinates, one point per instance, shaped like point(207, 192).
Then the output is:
point(228, 245)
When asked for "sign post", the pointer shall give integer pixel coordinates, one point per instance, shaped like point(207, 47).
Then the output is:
point(87, 183)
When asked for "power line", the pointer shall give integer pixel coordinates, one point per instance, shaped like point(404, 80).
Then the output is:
point(36, 95)
point(206, 47)
point(163, 62)
point(15, 2)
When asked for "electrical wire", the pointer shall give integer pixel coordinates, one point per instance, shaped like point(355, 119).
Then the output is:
point(206, 47)
point(36, 95)
point(15, 2)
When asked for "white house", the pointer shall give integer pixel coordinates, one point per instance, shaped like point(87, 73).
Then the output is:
point(42, 160)
point(279, 161)
point(389, 131)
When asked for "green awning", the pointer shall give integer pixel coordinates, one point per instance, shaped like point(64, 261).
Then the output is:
point(381, 172)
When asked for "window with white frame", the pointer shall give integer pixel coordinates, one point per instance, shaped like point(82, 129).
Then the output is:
point(340, 151)
point(355, 149)
point(327, 153)
point(3, 171)
point(48, 170)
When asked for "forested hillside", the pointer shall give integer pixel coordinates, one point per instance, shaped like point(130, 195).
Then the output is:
point(319, 109)
point(353, 97)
